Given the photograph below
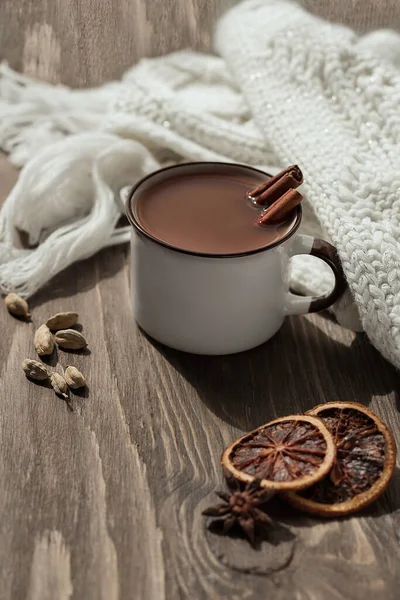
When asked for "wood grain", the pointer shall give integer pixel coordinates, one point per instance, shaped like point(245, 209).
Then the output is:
point(104, 501)
point(87, 42)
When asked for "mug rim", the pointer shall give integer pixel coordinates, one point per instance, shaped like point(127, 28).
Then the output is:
point(142, 231)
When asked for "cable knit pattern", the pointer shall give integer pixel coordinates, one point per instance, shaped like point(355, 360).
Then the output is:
point(187, 103)
point(333, 108)
point(287, 88)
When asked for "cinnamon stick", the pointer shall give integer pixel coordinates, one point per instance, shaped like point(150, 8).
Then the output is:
point(269, 191)
point(281, 208)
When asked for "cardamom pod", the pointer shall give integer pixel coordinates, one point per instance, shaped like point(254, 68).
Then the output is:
point(17, 306)
point(74, 378)
point(43, 341)
point(59, 384)
point(62, 320)
point(70, 339)
point(35, 369)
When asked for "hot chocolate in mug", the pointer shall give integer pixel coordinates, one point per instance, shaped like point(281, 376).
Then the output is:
point(206, 278)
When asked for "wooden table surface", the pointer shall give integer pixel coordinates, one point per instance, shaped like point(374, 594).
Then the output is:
point(104, 501)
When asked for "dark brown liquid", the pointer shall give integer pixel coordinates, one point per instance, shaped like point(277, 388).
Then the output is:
point(207, 212)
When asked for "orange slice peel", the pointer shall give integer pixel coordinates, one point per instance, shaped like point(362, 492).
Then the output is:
point(289, 453)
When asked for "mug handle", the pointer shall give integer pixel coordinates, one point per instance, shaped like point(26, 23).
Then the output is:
point(307, 244)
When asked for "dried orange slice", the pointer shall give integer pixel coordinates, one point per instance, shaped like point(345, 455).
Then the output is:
point(290, 453)
point(365, 460)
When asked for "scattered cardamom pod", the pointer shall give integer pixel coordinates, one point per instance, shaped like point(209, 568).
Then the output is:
point(43, 341)
point(74, 378)
point(70, 339)
point(62, 320)
point(17, 306)
point(35, 369)
point(59, 384)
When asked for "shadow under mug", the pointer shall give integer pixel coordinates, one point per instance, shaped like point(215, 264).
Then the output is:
point(218, 304)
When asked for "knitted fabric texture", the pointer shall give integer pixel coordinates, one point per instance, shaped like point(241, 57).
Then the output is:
point(348, 148)
point(286, 88)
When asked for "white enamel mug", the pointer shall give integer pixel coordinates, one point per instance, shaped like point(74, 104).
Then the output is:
point(218, 304)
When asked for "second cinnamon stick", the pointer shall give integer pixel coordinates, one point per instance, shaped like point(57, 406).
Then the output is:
point(281, 208)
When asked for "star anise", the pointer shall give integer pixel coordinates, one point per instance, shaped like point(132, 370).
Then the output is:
point(240, 507)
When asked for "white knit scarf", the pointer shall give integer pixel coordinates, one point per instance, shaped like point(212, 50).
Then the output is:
point(286, 88)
